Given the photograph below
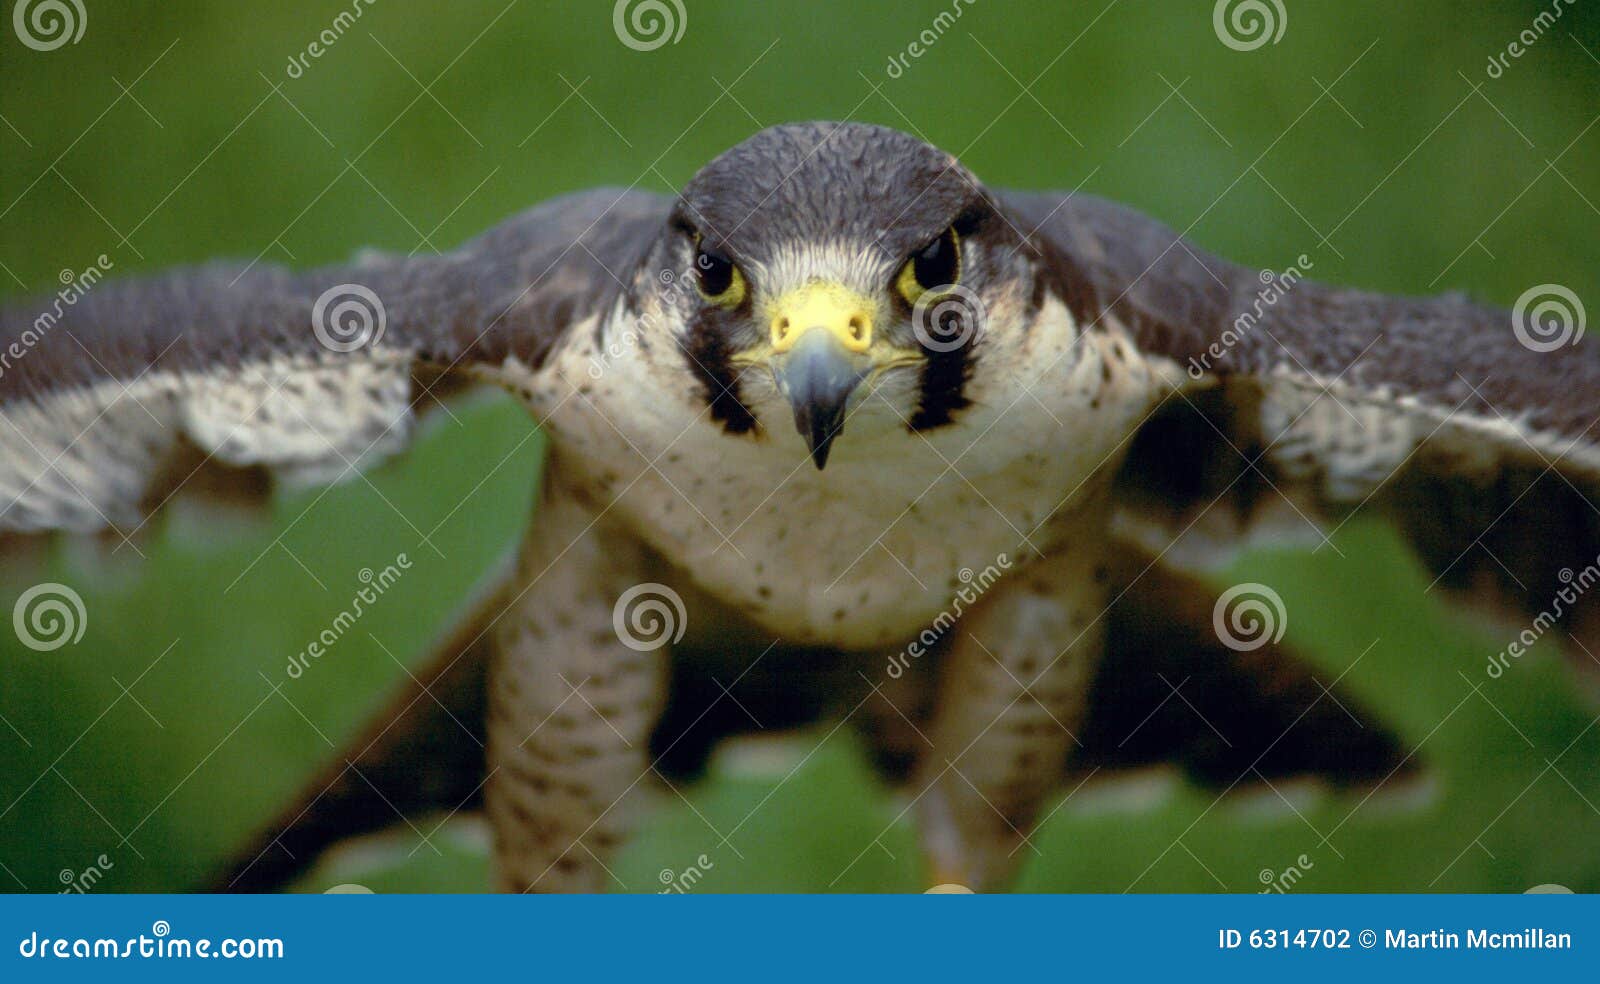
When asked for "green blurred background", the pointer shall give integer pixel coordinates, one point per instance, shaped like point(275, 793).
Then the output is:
point(1369, 138)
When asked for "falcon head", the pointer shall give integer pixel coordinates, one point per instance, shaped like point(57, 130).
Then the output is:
point(846, 273)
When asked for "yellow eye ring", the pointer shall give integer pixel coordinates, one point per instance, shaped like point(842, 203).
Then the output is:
point(717, 278)
point(934, 266)
point(731, 297)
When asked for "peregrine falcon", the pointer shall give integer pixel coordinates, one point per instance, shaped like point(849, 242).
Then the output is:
point(801, 403)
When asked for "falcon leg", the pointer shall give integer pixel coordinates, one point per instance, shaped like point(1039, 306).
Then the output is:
point(571, 707)
point(1012, 695)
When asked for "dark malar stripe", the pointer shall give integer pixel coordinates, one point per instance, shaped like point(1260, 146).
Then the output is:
point(944, 386)
point(707, 354)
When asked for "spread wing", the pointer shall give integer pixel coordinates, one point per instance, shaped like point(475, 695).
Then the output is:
point(112, 394)
point(1477, 429)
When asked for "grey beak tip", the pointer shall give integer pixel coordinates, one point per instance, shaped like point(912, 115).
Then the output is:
point(819, 382)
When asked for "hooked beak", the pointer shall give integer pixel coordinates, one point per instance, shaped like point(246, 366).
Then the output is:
point(818, 378)
point(819, 333)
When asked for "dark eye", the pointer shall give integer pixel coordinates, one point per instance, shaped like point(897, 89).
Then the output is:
point(935, 265)
point(938, 262)
point(715, 271)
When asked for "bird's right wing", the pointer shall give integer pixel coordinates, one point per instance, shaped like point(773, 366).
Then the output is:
point(113, 394)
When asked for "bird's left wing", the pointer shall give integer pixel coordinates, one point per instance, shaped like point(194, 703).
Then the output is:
point(114, 393)
point(1478, 429)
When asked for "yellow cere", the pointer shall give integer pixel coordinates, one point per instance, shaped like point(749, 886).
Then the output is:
point(831, 307)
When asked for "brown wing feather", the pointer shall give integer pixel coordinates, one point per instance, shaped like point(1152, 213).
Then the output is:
point(1485, 449)
point(99, 392)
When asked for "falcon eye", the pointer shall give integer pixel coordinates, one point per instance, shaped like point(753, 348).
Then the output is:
point(935, 265)
point(718, 279)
